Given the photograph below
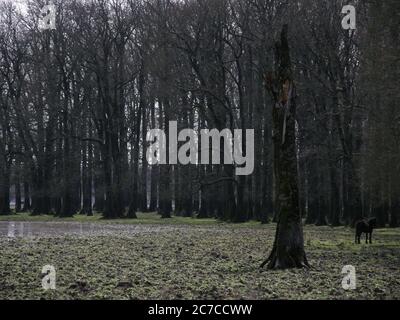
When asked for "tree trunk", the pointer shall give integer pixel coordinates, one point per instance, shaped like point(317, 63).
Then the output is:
point(154, 169)
point(18, 200)
point(165, 197)
point(27, 197)
point(98, 183)
point(5, 191)
point(288, 249)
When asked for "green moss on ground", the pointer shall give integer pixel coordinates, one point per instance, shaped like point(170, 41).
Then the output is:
point(198, 262)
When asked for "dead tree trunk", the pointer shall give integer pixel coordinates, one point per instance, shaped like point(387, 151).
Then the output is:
point(288, 249)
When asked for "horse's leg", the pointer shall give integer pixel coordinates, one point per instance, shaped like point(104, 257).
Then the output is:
point(366, 237)
point(370, 237)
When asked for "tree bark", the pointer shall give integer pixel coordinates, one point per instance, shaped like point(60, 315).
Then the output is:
point(288, 249)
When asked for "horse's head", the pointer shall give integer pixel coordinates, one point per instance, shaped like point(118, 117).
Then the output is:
point(372, 222)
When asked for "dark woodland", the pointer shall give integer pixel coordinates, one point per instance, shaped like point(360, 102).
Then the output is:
point(76, 104)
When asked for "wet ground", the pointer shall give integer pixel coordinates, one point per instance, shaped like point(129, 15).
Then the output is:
point(119, 261)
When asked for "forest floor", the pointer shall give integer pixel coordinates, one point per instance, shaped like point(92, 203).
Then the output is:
point(185, 258)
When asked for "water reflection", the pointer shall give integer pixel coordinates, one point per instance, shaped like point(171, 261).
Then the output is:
point(11, 230)
point(14, 229)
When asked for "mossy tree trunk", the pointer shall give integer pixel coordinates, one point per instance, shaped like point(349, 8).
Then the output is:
point(288, 249)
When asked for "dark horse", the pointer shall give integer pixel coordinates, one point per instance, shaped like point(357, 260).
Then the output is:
point(366, 226)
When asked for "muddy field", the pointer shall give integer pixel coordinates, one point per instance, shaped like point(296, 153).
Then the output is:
point(186, 261)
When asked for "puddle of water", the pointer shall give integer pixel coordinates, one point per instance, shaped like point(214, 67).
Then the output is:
point(11, 230)
point(25, 229)
point(29, 229)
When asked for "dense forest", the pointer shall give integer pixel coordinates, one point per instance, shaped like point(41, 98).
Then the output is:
point(77, 101)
